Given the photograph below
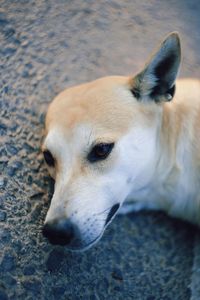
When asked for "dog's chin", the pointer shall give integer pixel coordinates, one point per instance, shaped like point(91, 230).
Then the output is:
point(83, 247)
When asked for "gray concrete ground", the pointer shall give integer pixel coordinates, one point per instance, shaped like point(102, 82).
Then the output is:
point(49, 45)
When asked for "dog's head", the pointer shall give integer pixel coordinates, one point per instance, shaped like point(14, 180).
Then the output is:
point(101, 144)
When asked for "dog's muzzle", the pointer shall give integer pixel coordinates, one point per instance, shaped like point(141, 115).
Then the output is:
point(65, 233)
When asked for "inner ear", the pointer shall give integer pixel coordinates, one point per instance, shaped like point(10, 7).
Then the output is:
point(163, 68)
point(162, 91)
point(165, 75)
point(157, 81)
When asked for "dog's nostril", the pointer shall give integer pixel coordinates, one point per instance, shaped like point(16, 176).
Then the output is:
point(112, 212)
point(59, 232)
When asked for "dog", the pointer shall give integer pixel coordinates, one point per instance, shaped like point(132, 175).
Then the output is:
point(121, 144)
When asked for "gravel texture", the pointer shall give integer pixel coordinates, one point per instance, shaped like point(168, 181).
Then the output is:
point(49, 45)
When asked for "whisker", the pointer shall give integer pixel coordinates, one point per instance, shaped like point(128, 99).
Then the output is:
point(103, 211)
point(91, 132)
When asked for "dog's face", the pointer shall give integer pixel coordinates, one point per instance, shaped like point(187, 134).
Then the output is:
point(100, 146)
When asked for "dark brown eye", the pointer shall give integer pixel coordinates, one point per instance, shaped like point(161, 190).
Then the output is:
point(49, 158)
point(100, 152)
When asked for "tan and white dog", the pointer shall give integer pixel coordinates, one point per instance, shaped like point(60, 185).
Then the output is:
point(119, 144)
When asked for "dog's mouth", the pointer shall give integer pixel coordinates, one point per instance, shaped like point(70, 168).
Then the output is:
point(85, 247)
point(112, 214)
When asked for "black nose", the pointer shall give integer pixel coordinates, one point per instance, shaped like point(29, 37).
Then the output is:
point(59, 232)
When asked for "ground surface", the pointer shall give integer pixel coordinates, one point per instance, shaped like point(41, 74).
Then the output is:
point(46, 46)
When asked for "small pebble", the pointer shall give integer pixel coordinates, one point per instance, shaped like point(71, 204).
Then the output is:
point(2, 182)
point(117, 274)
point(2, 216)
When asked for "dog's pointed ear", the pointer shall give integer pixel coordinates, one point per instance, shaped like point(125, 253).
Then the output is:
point(157, 81)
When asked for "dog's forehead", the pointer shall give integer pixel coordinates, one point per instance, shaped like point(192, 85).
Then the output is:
point(61, 142)
point(104, 104)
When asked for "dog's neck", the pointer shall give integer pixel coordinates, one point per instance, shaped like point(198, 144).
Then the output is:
point(178, 180)
point(173, 184)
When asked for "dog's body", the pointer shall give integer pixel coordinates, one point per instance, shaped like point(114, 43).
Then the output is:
point(118, 144)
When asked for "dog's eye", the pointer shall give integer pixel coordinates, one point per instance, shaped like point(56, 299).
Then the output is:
point(100, 152)
point(49, 158)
